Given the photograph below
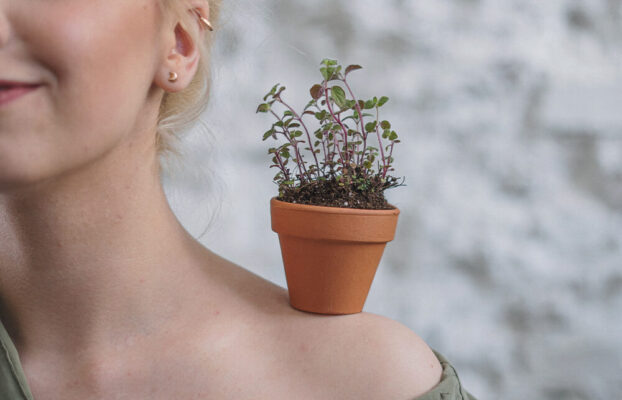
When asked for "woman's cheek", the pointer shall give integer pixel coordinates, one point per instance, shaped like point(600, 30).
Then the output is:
point(85, 56)
point(99, 56)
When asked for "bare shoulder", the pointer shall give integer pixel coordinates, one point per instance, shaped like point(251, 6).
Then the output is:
point(363, 356)
point(358, 356)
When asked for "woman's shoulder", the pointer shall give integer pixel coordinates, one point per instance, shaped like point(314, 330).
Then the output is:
point(358, 356)
point(362, 356)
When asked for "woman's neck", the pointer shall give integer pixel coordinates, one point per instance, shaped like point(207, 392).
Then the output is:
point(94, 258)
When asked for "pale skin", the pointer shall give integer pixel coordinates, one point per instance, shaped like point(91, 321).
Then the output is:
point(104, 293)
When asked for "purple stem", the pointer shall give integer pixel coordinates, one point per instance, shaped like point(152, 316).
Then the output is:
point(298, 158)
point(358, 109)
point(330, 109)
point(390, 154)
point(323, 144)
point(384, 164)
point(317, 164)
point(282, 166)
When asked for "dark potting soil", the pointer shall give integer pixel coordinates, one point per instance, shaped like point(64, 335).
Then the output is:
point(331, 194)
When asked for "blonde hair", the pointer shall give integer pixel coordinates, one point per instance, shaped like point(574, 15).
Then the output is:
point(180, 110)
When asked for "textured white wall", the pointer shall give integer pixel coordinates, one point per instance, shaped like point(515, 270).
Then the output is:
point(508, 256)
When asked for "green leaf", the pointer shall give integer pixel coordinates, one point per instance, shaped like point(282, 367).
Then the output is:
point(385, 124)
point(369, 104)
point(296, 134)
point(382, 100)
point(268, 134)
point(287, 112)
point(370, 126)
point(264, 107)
point(273, 90)
point(393, 135)
point(294, 125)
point(338, 96)
point(316, 91)
point(324, 72)
point(332, 74)
point(351, 68)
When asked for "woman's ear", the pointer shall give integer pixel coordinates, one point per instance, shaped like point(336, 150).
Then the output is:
point(180, 65)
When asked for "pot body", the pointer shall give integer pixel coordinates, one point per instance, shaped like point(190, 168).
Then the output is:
point(330, 254)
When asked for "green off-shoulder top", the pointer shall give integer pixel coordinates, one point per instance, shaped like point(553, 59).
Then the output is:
point(13, 385)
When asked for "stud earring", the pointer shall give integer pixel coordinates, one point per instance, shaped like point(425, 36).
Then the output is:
point(172, 76)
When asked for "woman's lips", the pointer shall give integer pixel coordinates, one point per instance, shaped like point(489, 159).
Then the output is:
point(9, 93)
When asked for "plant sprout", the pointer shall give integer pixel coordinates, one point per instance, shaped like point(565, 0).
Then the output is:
point(348, 156)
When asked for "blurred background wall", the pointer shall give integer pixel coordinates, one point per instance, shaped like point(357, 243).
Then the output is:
point(508, 255)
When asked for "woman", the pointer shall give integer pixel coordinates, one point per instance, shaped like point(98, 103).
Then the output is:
point(103, 294)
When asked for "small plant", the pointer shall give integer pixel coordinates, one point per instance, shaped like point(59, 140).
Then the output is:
point(342, 152)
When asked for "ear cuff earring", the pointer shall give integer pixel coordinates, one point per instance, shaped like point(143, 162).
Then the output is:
point(172, 76)
point(206, 24)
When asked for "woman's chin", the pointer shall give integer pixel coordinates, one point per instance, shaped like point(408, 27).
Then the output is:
point(18, 173)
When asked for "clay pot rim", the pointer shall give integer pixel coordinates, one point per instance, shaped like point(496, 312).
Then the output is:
point(332, 210)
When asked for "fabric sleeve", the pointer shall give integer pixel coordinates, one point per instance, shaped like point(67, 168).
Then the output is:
point(13, 383)
point(450, 387)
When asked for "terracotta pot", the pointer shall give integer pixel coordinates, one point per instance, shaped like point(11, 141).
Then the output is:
point(330, 254)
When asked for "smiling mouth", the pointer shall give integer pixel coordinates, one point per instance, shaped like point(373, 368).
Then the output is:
point(16, 86)
point(9, 93)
